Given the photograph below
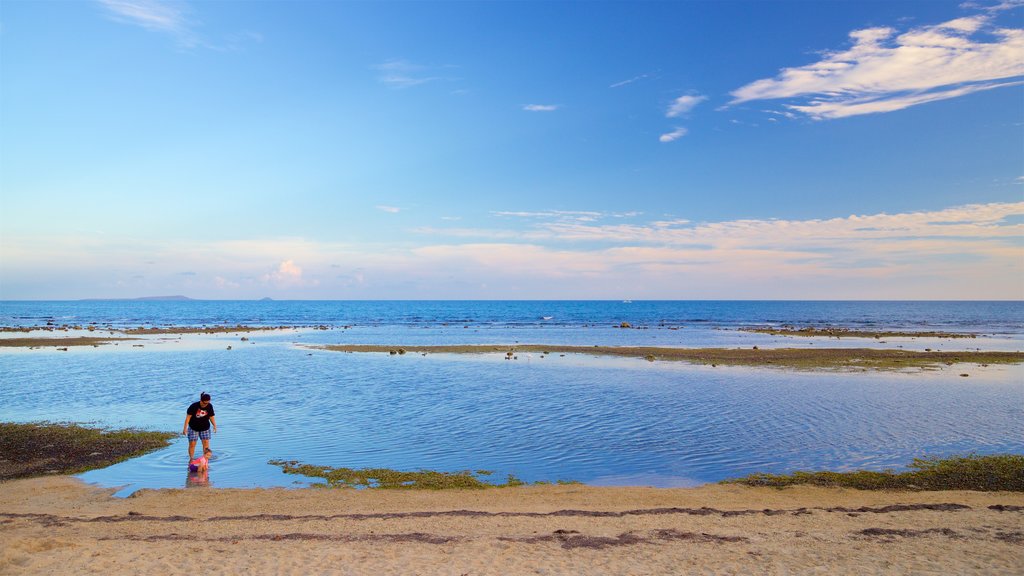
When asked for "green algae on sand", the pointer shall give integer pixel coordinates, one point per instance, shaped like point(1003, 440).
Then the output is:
point(38, 448)
point(971, 472)
point(386, 478)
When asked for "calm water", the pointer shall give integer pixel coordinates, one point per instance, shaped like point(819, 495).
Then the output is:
point(597, 420)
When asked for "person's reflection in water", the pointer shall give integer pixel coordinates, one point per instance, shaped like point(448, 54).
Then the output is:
point(198, 479)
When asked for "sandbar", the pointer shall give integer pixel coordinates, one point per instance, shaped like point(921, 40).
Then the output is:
point(836, 332)
point(62, 342)
point(796, 358)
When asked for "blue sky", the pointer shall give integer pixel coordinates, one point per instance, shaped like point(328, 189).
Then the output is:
point(322, 150)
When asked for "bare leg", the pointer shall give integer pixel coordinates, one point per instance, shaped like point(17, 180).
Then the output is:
point(192, 448)
point(206, 445)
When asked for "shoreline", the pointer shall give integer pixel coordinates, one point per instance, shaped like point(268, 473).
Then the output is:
point(63, 524)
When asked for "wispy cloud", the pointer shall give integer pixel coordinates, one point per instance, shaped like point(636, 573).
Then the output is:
point(886, 70)
point(172, 17)
point(630, 81)
point(399, 73)
point(575, 215)
point(169, 17)
point(389, 209)
point(683, 105)
point(541, 107)
point(673, 135)
point(151, 14)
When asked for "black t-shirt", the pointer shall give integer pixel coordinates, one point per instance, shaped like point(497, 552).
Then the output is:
point(200, 417)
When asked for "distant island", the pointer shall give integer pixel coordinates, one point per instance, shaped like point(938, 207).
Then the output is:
point(144, 298)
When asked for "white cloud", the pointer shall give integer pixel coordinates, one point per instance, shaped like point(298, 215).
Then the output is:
point(287, 275)
point(389, 209)
point(541, 107)
point(885, 70)
point(673, 135)
point(683, 104)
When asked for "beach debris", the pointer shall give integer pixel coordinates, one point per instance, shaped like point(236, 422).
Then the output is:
point(755, 348)
point(625, 325)
point(62, 349)
point(401, 350)
point(649, 358)
point(245, 339)
point(392, 352)
point(965, 375)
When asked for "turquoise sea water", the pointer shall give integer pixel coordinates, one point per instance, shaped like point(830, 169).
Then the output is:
point(598, 420)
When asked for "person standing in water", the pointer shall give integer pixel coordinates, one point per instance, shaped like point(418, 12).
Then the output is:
point(198, 419)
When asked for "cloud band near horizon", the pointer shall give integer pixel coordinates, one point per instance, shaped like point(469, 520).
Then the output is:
point(927, 254)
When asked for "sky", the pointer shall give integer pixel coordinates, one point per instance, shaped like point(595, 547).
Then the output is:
point(512, 150)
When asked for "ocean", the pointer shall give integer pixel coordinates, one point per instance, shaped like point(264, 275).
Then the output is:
point(599, 420)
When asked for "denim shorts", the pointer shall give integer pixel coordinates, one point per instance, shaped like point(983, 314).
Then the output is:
point(193, 435)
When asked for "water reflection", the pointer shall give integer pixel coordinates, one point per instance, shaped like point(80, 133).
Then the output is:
point(595, 420)
point(198, 479)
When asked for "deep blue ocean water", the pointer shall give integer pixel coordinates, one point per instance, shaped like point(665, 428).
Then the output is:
point(603, 421)
point(953, 316)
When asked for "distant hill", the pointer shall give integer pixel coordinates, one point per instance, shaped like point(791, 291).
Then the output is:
point(144, 298)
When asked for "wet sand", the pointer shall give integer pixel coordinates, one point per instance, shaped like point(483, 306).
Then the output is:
point(61, 525)
point(799, 358)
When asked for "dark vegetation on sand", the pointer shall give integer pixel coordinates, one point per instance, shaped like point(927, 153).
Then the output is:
point(970, 472)
point(40, 448)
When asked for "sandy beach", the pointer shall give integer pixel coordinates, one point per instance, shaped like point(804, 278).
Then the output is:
point(61, 525)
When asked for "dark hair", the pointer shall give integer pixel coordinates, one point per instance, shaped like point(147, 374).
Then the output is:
point(204, 396)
